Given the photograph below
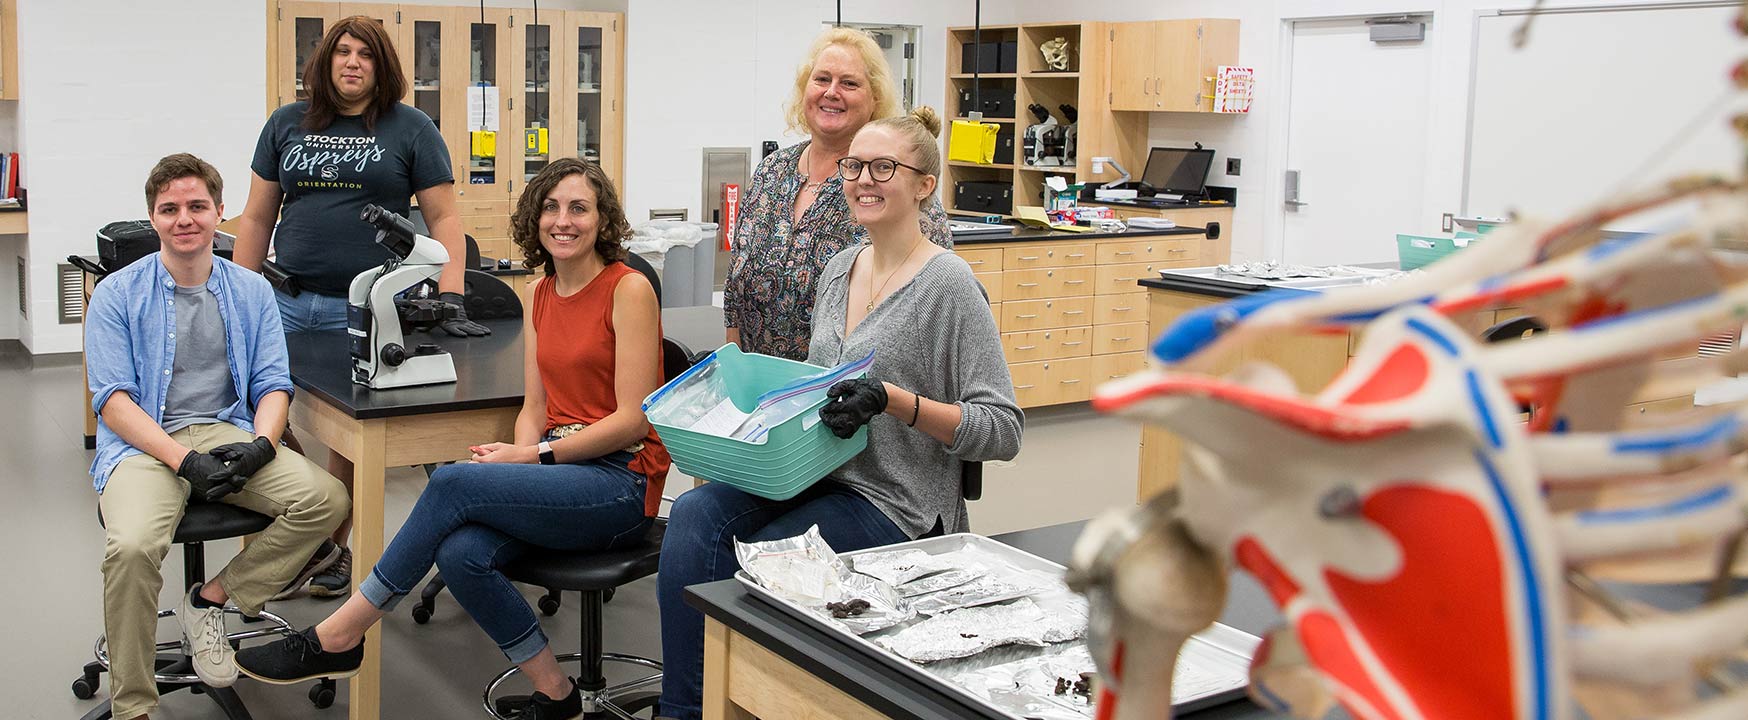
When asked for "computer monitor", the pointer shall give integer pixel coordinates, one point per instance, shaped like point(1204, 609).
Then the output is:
point(1178, 171)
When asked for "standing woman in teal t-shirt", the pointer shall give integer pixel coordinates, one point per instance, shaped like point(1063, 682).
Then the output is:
point(317, 164)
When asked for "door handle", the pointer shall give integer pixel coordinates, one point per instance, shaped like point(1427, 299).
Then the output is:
point(1292, 190)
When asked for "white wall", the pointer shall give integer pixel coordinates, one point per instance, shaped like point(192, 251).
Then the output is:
point(1259, 138)
point(110, 86)
point(708, 74)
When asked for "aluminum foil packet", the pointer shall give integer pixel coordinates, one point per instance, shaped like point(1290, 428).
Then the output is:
point(867, 605)
point(1044, 687)
point(968, 632)
point(938, 582)
point(897, 567)
point(982, 591)
point(803, 569)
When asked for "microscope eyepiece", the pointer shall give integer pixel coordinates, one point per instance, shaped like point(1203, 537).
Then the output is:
point(392, 231)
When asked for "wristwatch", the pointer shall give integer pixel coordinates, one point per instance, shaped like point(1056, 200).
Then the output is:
point(546, 456)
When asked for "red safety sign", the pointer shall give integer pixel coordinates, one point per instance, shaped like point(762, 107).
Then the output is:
point(730, 213)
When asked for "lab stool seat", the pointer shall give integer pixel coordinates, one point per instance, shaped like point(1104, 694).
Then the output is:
point(595, 575)
point(174, 668)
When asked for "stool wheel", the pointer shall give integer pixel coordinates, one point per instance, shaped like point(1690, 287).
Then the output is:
point(85, 687)
point(549, 604)
point(322, 695)
point(422, 614)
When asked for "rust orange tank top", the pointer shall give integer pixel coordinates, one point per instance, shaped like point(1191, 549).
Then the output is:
point(576, 360)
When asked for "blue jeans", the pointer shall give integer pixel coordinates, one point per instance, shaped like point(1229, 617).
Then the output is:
point(473, 518)
point(699, 548)
point(311, 311)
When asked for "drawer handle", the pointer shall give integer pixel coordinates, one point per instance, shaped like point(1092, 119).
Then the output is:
point(1076, 255)
point(1028, 285)
point(1024, 348)
point(1122, 309)
point(1073, 282)
point(975, 262)
point(1122, 339)
point(1024, 387)
point(1177, 250)
point(1125, 252)
point(1024, 258)
point(1070, 382)
point(1125, 279)
point(1025, 317)
point(1073, 312)
point(1072, 344)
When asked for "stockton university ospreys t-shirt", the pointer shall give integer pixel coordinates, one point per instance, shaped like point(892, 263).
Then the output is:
point(329, 175)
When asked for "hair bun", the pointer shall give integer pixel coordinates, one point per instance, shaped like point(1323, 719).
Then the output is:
point(927, 117)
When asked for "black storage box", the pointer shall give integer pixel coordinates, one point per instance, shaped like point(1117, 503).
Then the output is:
point(998, 102)
point(1004, 145)
point(1008, 57)
point(122, 242)
point(980, 58)
point(996, 198)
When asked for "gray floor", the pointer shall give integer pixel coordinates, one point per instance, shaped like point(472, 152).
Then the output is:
point(1074, 465)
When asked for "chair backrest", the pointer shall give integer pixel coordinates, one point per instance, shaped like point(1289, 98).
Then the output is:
point(676, 359)
point(472, 252)
point(488, 297)
point(641, 265)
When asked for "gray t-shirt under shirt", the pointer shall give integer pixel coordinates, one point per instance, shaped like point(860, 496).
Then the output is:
point(200, 381)
point(329, 175)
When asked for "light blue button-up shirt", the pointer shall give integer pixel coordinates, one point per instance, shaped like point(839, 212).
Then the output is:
point(130, 346)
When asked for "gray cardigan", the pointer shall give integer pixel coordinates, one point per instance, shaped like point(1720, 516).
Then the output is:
point(934, 336)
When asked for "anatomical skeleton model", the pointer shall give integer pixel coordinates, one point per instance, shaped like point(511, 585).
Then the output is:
point(1431, 550)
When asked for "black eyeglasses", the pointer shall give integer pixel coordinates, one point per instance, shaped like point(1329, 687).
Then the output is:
point(882, 169)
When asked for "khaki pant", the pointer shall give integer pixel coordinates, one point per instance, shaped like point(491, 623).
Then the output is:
point(142, 504)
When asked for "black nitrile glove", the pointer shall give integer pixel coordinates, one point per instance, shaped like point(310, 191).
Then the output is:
point(246, 458)
point(854, 403)
point(209, 478)
point(460, 326)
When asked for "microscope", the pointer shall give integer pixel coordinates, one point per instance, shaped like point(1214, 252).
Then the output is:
point(377, 322)
point(1070, 133)
point(1042, 145)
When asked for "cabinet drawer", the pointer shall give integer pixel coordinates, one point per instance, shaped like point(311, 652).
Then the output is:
point(1044, 314)
point(1145, 250)
point(465, 207)
point(995, 309)
point(485, 225)
point(1046, 344)
point(1040, 284)
point(992, 285)
point(1052, 382)
point(1112, 309)
point(1121, 279)
point(1106, 368)
point(988, 260)
point(1120, 338)
point(1046, 256)
point(498, 247)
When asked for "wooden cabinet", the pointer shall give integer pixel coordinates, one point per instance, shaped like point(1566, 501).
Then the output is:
point(1070, 311)
point(1163, 65)
point(9, 49)
point(558, 88)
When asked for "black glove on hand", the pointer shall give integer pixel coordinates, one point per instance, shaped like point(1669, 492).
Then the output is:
point(208, 477)
point(854, 403)
point(460, 326)
point(246, 458)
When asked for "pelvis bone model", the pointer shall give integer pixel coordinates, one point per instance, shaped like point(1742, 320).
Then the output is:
point(1431, 548)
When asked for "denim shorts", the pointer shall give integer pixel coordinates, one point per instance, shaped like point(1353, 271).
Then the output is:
point(311, 311)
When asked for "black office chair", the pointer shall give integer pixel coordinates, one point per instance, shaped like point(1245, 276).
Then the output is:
point(175, 669)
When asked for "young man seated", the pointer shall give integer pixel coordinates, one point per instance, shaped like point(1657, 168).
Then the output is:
point(187, 368)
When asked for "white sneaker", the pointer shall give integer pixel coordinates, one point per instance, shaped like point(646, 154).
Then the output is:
point(203, 636)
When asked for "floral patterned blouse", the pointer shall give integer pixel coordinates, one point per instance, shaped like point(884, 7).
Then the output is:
point(777, 260)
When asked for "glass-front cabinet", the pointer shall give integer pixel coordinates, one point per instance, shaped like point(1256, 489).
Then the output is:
point(301, 26)
point(491, 154)
point(592, 78)
point(534, 105)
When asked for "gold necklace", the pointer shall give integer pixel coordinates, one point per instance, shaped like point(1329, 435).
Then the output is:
point(872, 293)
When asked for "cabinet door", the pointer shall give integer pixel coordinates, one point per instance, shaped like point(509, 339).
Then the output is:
point(536, 101)
point(301, 26)
point(1132, 65)
point(1178, 55)
point(591, 75)
point(490, 147)
point(434, 54)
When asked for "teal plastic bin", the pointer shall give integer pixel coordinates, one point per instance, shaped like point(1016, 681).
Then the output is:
point(1416, 251)
point(792, 457)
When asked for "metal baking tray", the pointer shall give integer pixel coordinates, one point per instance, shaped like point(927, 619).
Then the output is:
point(1220, 650)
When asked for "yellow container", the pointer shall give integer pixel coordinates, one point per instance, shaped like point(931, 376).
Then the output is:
point(484, 143)
point(535, 140)
point(972, 142)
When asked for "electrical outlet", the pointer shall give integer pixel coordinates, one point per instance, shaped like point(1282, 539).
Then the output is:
point(1445, 222)
point(1232, 166)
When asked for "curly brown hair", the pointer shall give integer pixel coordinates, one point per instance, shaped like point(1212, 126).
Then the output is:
point(611, 233)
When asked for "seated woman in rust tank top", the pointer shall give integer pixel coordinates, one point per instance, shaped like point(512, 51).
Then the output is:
point(584, 470)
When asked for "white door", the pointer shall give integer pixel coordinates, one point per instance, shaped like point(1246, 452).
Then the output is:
point(1356, 140)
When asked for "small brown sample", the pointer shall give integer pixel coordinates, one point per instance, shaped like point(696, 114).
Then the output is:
point(1061, 686)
